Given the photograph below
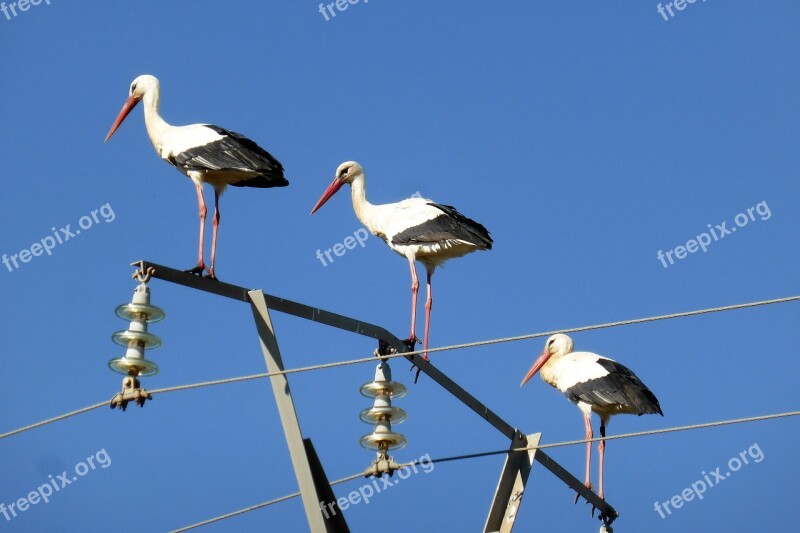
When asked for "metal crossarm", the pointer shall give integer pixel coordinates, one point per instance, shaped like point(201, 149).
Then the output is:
point(274, 303)
point(310, 475)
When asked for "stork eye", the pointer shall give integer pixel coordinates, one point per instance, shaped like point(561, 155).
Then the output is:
point(133, 88)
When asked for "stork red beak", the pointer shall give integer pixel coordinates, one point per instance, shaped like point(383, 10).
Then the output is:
point(130, 103)
point(330, 191)
point(539, 363)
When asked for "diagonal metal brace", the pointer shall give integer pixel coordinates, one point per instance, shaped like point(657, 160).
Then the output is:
point(511, 487)
point(310, 477)
point(607, 513)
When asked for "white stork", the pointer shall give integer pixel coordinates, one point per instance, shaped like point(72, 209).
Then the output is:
point(204, 153)
point(595, 384)
point(416, 228)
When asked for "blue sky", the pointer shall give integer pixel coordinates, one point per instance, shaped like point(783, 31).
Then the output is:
point(587, 137)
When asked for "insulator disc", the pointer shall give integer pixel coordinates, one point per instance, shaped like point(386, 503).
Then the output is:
point(124, 365)
point(383, 441)
point(387, 388)
point(148, 340)
point(132, 311)
point(374, 414)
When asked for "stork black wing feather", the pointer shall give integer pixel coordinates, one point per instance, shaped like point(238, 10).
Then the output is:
point(450, 225)
point(234, 151)
point(620, 387)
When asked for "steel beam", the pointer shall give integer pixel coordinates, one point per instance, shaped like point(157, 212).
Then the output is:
point(511, 487)
point(463, 396)
point(334, 519)
point(575, 484)
point(291, 426)
point(275, 303)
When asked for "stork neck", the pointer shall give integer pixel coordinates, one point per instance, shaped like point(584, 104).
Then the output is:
point(547, 371)
point(358, 191)
point(156, 126)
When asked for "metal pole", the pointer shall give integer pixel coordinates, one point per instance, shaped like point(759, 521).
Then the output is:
point(334, 519)
point(291, 426)
point(511, 487)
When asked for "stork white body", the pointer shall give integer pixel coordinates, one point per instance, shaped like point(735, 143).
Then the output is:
point(595, 384)
point(417, 229)
point(203, 152)
point(401, 224)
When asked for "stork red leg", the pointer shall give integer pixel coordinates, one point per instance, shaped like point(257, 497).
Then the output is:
point(589, 435)
point(601, 449)
point(428, 306)
point(201, 266)
point(414, 290)
point(215, 224)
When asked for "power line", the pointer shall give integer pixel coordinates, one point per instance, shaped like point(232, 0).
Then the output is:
point(603, 326)
point(501, 340)
point(258, 506)
point(54, 419)
point(215, 382)
point(430, 350)
point(691, 427)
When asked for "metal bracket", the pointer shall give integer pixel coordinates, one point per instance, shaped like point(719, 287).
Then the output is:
point(142, 274)
point(384, 349)
point(131, 391)
point(383, 464)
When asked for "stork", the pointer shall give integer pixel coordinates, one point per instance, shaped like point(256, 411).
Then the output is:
point(204, 153)
point(416, 228)
point(595, 384)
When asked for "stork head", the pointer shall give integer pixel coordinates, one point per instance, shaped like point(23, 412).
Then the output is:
point(346, 173)
point(139, 87)
point(558, 344)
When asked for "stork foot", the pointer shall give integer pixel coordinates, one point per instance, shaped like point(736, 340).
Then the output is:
point(577, 495)
point(411, 342)
point(211, 274)
point(198, 270)
point(600, 514)
point(606, 519)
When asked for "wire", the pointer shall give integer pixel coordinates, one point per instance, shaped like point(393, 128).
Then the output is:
point(690, 427)
point(54, 419)
point(474, 344)
point(507, 451)
point(213, 382)
point(258, 506)
point(597, 326)
point(430, 350)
